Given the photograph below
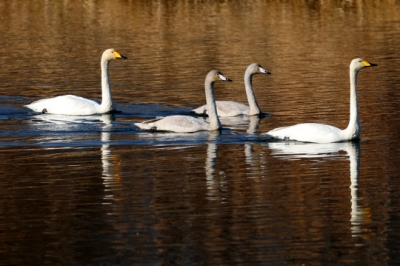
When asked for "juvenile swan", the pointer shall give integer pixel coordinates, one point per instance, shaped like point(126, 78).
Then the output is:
point(321, 133)
point(75, 105)
point(187, 124)
point(230, 108)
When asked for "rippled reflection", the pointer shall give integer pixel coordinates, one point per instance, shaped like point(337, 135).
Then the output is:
point(70, 119)
point(110, 162)
point(294, 150)
point(175, 199)
point(215, 182)
point(256, 163)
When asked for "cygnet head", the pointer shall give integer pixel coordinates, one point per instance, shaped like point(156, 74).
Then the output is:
point(358, 63)
point(257, 69)
point(215, 75)
point(111, 54)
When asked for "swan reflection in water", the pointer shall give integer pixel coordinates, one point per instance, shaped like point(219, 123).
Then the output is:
point(214, 184)
point(250, 123)
point(295, 150)
point(242, 122)
point(256, 162)
point(73, 119)
point(218, 183)
point(110, 162)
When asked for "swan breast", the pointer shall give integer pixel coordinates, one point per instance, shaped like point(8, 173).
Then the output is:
point(226, 108)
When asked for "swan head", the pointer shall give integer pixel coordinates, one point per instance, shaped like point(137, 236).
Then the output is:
point(358, 63)
point(111, 54)
point(215, 75)
point(257, 69)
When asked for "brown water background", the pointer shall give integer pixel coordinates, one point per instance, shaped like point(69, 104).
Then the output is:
point(97, 191)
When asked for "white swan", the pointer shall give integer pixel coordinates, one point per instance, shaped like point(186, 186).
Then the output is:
point(75, 105)
point(321, 133)
point(187, 124)
point(230, 108)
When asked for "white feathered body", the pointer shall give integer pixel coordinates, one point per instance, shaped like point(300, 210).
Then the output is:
point(175, 123)
point(311, 132)
point(66, 105)
point(75, 105)
point(322, 133)
point(226, 109)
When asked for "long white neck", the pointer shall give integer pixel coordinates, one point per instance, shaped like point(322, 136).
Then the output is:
point(211, 106)
point(353, 129)
point(107, 104)
point(251, 98)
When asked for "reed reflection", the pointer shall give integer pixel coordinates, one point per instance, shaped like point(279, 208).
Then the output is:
point(296, 150)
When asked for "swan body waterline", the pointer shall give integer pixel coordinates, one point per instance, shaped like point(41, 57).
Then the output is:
point(230, 108)
point(75, 105)
point(321, 133)
point(188, 124)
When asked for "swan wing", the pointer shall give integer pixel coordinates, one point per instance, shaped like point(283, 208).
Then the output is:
point(308, 132)
point(202, 110)
point(230, 108)
point(226, 108)
point(175, 123)
point(66, 104)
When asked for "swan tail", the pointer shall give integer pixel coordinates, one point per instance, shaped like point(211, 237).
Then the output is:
point(37, 106)
point(152, 120)
point(275, 130)
point(149, 124)
point(144, 125)
point(202, 110)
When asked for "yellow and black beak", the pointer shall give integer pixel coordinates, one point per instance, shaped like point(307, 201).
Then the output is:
point(119, 56)
point(368, 64)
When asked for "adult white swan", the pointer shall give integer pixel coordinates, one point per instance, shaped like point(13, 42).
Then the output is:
point(321, 133)
point(75, 105)
point(230, 108)
point(187, 124)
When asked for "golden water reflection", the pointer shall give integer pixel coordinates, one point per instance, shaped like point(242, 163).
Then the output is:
point(294, 150)
point(93, 191)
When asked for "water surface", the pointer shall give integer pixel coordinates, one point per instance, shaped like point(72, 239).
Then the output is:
point(97, 191)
